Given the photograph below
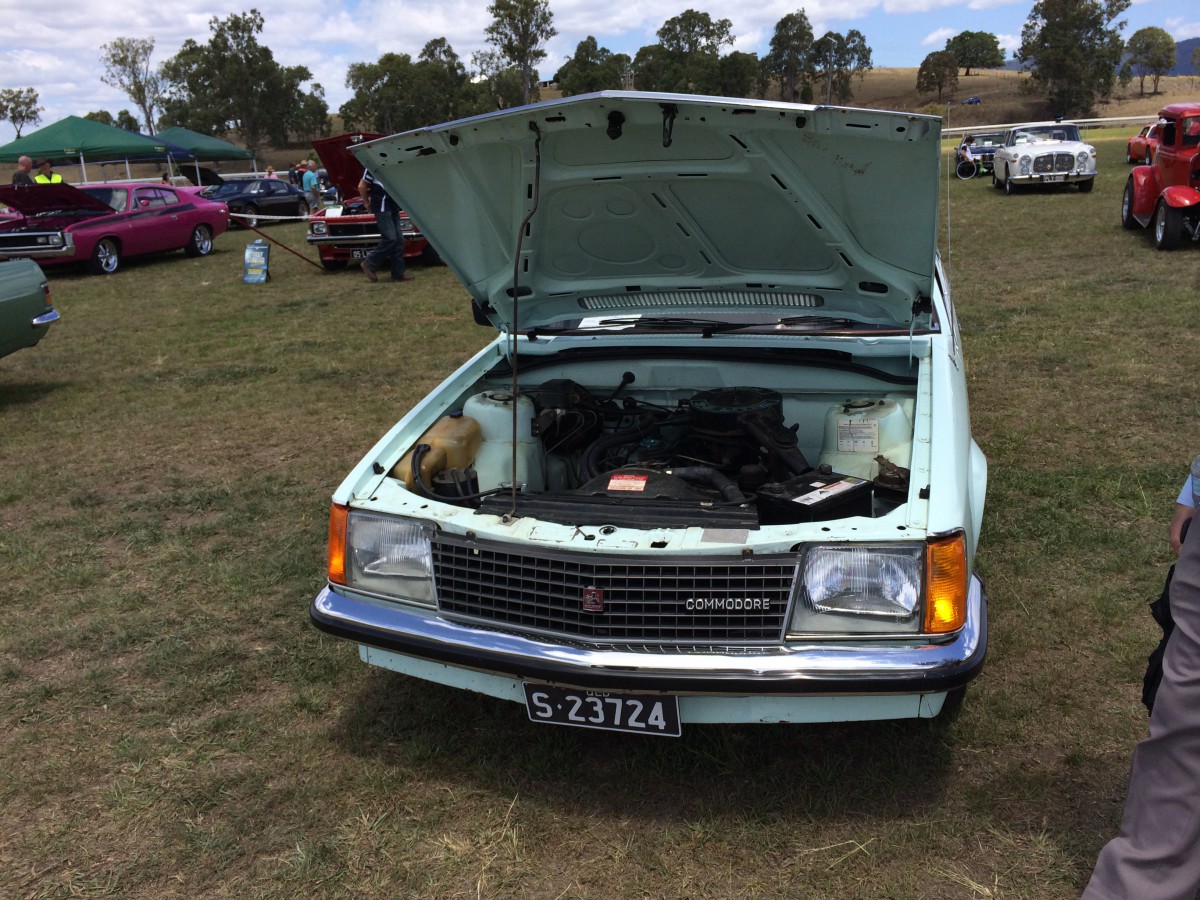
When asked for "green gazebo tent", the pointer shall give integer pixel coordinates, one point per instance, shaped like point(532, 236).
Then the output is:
point(76, 140)
point(202, 146)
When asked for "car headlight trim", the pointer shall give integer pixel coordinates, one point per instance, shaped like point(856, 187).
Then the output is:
point(385, 555)
point(860, 589)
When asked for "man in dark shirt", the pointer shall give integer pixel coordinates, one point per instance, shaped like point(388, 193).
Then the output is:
point(24, 167)
point(391, 240)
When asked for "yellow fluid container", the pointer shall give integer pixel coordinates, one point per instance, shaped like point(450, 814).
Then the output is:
point(454, 441)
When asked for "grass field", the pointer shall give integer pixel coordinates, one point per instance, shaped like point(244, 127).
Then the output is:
point(173, 727)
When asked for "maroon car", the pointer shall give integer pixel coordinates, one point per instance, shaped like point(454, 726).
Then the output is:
point(101, 225)
point(346, 231)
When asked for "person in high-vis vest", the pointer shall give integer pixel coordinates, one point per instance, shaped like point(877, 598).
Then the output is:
point(46, 174)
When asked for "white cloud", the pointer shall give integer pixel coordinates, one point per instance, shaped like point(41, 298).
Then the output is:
point(1182, 30)
point(938, 38)
point(1009, 43)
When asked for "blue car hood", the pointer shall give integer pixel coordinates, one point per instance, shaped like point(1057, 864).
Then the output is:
point(634, 202)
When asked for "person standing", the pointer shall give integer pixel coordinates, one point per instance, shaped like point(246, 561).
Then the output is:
point(391, 240)
point(311, 185)
point(24, 167)
point(46, 173)
point(1154, 856)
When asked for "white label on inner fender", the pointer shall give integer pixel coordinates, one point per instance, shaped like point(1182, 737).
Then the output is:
point(857, 435)
point(628, 482)
point(826, 491)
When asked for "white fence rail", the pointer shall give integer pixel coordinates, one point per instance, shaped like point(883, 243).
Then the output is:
point(1084, 124)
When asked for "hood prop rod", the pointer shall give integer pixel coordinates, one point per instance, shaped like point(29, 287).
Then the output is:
point(516, 295)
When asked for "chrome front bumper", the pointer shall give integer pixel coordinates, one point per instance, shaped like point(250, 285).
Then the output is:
point(807, 668)
point(39, 251)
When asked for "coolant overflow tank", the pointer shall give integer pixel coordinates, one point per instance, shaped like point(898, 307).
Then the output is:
point(858, 430)
point(494, 463)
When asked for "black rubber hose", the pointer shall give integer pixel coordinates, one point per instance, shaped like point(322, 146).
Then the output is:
point(714, 479)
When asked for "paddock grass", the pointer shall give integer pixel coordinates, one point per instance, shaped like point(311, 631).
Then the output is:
point(171, 725)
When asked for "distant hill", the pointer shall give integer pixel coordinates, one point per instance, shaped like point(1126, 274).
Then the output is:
point(1183, 58)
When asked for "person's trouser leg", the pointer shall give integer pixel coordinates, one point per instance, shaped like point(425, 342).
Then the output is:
point(388, 248)
point(1156, 853)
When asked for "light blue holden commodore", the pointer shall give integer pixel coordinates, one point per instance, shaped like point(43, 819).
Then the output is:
point(717, 465)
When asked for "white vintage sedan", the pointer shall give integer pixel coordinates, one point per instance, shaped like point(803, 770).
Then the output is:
point(716, 465)
point(1044, 153)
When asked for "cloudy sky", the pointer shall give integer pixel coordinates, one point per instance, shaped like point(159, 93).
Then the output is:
point(57, 51)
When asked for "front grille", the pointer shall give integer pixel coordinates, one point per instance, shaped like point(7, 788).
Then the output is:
point(354, 229)
point(1053, 162)
point(28, 241)
point(645, 599)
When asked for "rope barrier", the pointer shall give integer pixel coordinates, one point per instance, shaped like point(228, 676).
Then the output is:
point(250, 227)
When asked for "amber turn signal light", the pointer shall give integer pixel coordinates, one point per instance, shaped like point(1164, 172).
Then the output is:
point(946, 596)
point(338, 514)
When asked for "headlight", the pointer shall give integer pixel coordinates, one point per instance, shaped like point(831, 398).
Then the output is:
point(381, 554)
point(318, 227)
point(1025, 163)
point(1081, 159)
point(883, 589)
point(845, 588)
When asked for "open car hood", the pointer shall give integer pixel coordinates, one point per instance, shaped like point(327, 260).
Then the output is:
point(625, 203)
point(344, 171)
point(31, 199)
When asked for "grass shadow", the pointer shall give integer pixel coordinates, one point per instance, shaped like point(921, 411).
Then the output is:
point(871, 768)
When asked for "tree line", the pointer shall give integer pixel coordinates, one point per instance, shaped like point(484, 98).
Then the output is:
point(232, 83)
point(1073, 49)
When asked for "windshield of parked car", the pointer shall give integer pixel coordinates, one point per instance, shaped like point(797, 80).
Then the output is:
point(1191, 131)
point(229, 189)
point(117, 198)
point(1057, 131)
point(988, 139)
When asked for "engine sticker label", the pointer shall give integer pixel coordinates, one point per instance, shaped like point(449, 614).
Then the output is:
point(628, 482)
point(857, 435)
point(827, 491)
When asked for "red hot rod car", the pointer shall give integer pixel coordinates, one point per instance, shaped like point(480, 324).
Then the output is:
point(346, 231)
point(1167, 193)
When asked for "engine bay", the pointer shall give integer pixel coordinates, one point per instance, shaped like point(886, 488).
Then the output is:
point(721, 457)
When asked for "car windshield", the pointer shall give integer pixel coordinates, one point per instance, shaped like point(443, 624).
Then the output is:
point(229, 189)
point(1057, 131)
point(117, 198)
point(989, 139)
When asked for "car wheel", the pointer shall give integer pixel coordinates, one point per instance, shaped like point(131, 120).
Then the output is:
point(201, 241)
point(106, 257)
point(1149, 156)
point(302, 209)
point(1085, 187)
point(249, 217)
point(1128, 154)
point(333, 265)
point(1009, 187)
point(1127, 219)
point(1168, 226)
point(431, 257)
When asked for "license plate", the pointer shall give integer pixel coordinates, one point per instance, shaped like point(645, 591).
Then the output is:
point(606, 710)
point(1053, 177)
point(359, 254)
